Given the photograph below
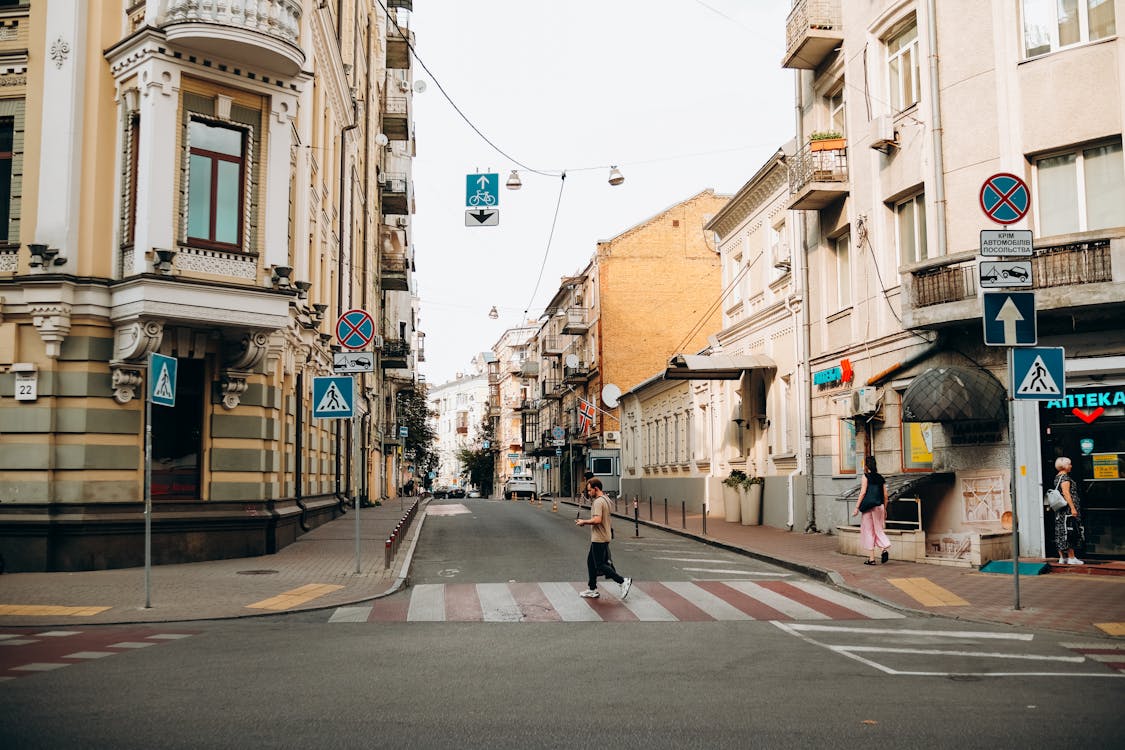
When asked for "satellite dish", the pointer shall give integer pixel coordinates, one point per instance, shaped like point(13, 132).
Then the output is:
point(610, 395)
point(572, 361)
point(419, 87)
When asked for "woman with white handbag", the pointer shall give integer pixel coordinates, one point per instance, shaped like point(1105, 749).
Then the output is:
point(1068, 522)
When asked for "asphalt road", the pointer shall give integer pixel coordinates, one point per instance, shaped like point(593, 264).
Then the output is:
point(307, 681)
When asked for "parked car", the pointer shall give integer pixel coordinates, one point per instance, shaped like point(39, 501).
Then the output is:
point(516, 488)
point(441, 492)
point(457, 492)
point(474, 493)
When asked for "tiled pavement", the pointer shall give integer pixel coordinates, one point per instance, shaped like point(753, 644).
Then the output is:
point(318, 571)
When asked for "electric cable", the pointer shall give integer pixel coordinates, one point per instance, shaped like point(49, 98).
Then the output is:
point(722, 296)
point(550, 237)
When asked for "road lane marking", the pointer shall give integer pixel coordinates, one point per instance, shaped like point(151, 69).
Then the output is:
point(90, 655)
point(777, 601)
point(568, 604)
point(895, 631)
point(427, 603)
point(944, 652)
point(706, 601)
point(854, 603)
point(351, 614)
point(646, 608)
point(38, 667)
point(497, 603)
point(728, 571)
point(928, 593)
point(295, 597)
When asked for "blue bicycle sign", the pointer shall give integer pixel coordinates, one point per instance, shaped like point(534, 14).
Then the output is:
point(482, 189)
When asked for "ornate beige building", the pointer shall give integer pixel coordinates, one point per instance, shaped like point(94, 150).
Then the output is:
point(217, 182)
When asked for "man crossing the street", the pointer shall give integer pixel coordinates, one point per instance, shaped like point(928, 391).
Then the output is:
point(598, 561)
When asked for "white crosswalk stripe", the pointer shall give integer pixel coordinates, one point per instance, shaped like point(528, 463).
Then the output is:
point(665, 601)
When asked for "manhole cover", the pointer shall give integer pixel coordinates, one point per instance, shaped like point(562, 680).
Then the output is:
point(256, 572)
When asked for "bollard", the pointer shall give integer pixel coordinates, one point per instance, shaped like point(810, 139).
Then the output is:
point(650, 507)
point(704, 519)
point(665, 511)
point(387, 555)
point(683, 514)
point(636, 518)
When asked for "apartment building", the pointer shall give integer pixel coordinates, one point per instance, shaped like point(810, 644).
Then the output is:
point(905, 110)
point(460, 406)
point(508, 396)
point(216, 182)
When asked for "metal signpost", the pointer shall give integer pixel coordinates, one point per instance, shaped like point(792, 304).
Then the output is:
point(334, 398)
point(162, 392)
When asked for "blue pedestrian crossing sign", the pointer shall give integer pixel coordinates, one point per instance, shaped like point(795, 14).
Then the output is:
point(333, 397)
point(162, 379)
point(1009, 319)
point(1038, 373)
point(482, 190)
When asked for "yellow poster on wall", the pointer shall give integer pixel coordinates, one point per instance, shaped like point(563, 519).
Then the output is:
point(1106, 466)
point(920, 444)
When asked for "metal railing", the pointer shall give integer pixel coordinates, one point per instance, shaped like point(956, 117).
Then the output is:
point(810, 14)
point(936, 286)
point(1075, 263)
point(817, 166)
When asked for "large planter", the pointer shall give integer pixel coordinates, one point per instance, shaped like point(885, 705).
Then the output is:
point(828, 144)
point(752, 505)
point(732, 510)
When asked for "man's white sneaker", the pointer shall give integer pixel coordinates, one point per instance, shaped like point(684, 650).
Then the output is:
point(625, 586)
point(1074, 561)
point(590, 594)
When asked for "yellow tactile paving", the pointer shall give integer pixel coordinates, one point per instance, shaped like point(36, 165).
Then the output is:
point(928, 593)
point(1112, 628)
point(295, 597)
point(40, 610)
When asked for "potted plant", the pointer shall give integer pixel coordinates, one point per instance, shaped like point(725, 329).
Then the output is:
point(731, 493)
point(752, 500)
point(827, 140)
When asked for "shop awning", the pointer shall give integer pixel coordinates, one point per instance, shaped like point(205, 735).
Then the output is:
point(715, 366)
point(955, 394)
point(904, 485)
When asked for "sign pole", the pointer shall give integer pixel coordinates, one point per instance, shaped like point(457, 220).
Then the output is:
point(355, 497)
point(1012, 482)
point(148, 498)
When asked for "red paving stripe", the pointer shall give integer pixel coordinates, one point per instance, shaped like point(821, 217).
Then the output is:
point(462, 603)
point(608, 608)
point(390, 609)
point(741, 601)
point(681, 608)
point(533, 603)
point(1099, 651)
point(56, 649)
point(833, 610)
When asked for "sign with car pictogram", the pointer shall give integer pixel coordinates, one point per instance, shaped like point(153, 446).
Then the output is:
point(352, 362)
point(1000, 274)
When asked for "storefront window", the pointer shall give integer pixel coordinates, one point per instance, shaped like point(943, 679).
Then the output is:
point(917, 446)
point(847, 447)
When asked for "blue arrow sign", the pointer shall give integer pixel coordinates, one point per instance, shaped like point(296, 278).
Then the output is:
point(482, 190)
point(162, 379)
point(1009, 319)
point(1038, 373)
point(333, 397)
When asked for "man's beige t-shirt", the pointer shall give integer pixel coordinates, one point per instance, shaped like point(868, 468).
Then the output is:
point(599, 532)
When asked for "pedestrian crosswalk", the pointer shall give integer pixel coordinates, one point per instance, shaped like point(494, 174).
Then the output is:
point(29, 651)
point(648, 601)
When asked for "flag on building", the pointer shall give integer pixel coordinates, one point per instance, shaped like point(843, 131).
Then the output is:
point(586, 414)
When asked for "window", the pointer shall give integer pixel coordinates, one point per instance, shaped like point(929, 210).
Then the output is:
point(843, 269)
point(1081, 190)
point(903, 68)
point(215, 183)
point(910, 216)
point(11, 169)
point(836, 112)
point(7, 136)
point(847, 447)
point(1050, 25)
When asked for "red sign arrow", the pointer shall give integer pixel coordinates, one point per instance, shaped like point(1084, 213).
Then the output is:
point(1088, 418)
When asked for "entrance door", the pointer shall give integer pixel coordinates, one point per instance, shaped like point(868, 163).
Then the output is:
point(177, 435)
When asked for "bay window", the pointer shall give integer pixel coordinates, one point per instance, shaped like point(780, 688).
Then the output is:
point(216, 174)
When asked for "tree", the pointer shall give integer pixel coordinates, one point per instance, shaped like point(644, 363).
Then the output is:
point(479, 462)
point(414, 414)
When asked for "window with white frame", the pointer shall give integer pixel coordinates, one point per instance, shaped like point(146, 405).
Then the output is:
point(835, 102)
point(1050, 25)
point(1080, 190)
point(842, 258)
point(910, 218)
point(903, 68)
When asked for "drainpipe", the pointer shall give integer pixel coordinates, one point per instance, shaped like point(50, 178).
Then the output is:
point(801, 273)
point(935, 107)
point(798, 314)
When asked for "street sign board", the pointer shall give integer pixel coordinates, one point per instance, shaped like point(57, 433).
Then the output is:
point(482, 190)
point(1004, 198)
point(162, 379)
point(355, 329)
point(1038, 373)
point(1000, 243)
point(482, 217)
point(999, 274)
point(347, 362)
point(558, 451)
point(333, 397)
point(558, 433)
point(1009, 319)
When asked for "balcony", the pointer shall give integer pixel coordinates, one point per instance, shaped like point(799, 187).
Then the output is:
point(393, 195)
point(396, 354)
point(529, 369)
point(261, 34)
point(551, 346)
point(813, 30)
point(552, 388)
point(399, 40)
point(396, 118)
point(395, 271)
point(818, 175)
point(1068, 276)
point(577, 320)
point(577, 374)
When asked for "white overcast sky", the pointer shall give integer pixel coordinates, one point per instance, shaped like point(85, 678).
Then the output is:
point(683, 95)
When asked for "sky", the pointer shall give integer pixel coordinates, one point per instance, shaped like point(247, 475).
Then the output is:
point(681, 95)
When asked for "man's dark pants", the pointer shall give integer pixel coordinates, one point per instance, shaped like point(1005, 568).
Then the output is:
point(598, 563)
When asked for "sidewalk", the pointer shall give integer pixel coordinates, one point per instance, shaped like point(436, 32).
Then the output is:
point(316, 571)
point(1054, 601)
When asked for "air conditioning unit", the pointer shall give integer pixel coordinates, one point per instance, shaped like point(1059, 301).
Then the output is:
point(883, 136)
point(377, 342)
point(613, 436)
point(401, 221)
point(865, 400)
point(404, 86)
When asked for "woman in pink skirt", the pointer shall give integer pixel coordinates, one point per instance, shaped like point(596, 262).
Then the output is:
point(872, 503)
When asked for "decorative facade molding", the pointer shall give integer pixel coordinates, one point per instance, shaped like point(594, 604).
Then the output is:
point(232, 386)
point(216, 262)
point(132, 342)
point(53, 323)
point(126, 378)
point(60, 50)
point(248, 353)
